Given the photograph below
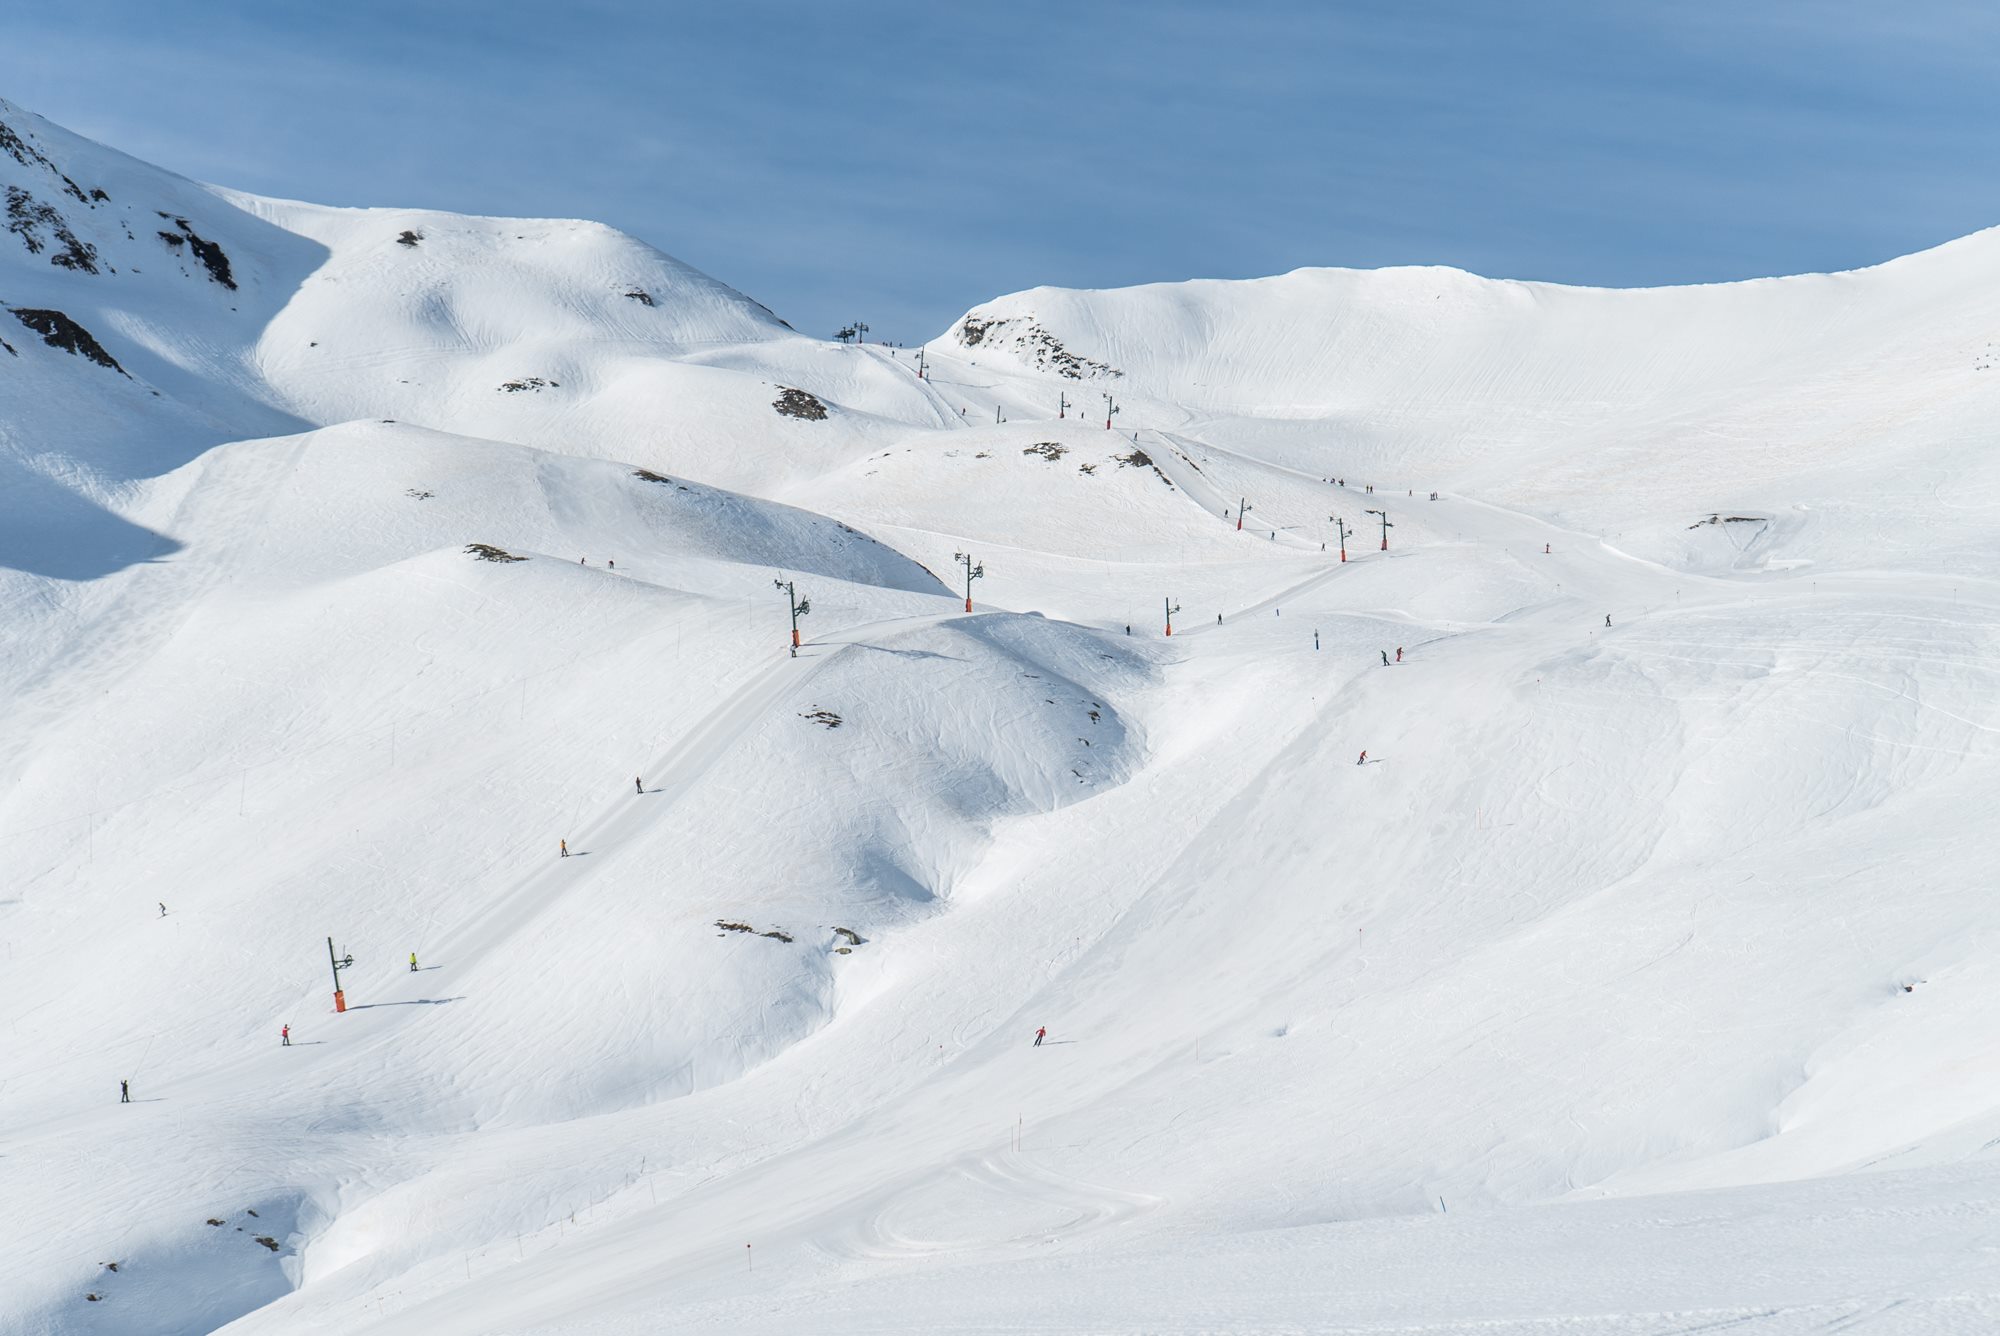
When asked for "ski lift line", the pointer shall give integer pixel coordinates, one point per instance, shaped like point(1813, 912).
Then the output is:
point(986, 544)
point(1305, 586)
point(236, 773)
point(1186, 443)
point(240, 772)
point(71, 1059)
point(140, 1065)
point(1179, 447)
point(695, 751)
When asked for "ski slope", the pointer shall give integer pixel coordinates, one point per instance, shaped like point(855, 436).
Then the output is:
point(1638, 982)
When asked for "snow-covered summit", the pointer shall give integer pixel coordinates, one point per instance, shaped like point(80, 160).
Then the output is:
point(1629, 412)
point(1326, 342)
point(150, 305)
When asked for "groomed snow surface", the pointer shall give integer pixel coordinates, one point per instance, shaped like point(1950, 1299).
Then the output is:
point(1642, 981)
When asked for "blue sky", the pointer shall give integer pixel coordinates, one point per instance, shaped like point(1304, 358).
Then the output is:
point(901, 162)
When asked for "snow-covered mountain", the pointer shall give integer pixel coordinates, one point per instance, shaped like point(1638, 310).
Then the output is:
point(407, 580)
point(1616, 411)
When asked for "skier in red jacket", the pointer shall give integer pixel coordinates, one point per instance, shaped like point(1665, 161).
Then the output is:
point(1040, 1035)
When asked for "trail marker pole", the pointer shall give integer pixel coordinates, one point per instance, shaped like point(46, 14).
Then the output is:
point(1172, 608)
point(973, 571)
point(1062, 405)
point(1110, 411)
point(1386, 526)
point(1342, 525)
point(1242, 509)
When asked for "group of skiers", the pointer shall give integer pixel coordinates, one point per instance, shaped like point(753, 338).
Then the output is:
point(285, 1031)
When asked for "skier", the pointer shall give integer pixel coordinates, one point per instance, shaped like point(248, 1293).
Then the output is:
point(1218, 619)
point(565, 847)
point(124, 1092)
point(637, 787)
point(413, 962)
point(1040, 1035)
point(1399, 654)
point(285, 1035)
point(1545, 549)
point(1607, 619)
point(163, 909)
point(1315, 640)
point(612, 565)
point(1385, 658)
point(1364, 758)
point(1128, 628)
